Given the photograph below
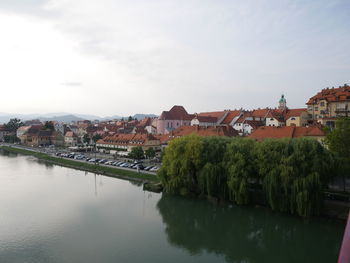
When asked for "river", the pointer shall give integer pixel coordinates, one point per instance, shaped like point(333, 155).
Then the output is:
point(50, 213)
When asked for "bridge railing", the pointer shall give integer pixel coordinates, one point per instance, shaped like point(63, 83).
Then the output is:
point(344, 255)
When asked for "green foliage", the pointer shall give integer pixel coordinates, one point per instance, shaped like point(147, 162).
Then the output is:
point(240, 163)
point(96, 137)
point(49, 126)
point(13, 125)
point(11, 139)
point(136, 153)
point(338, 142)
point(288, 175)
point(150, 153)
point(212, 178)
point(130, 118)
point(86, 139)
point(182, 164)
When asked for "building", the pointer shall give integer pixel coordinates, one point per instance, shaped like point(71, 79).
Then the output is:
point(121, 142)
point(276, 118)
point(170, 120)
point(145, 126)
point(217, 118)
point(329, 104)
point(296, 117)
point(282, 104)
point(3, 132)
point(204, 121)
point(266, 132)
point(21, 130)
point(70, 139)
point(249, 121)
point(35, 136)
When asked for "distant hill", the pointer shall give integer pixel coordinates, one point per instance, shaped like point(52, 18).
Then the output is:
point(141, 116)
point(64, 118)
point(67, 117)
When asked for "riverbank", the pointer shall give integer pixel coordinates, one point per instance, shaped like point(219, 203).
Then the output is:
point(93, 168)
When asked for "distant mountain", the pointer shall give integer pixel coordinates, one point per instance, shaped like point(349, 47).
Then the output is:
point(67, 117)
point(141, 116)
point(64, 118)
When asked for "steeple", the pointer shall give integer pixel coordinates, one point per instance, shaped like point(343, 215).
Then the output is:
point(282, 103)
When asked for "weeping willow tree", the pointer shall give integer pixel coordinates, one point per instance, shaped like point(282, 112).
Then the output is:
point(273, 174)
point(294, 173)
point(290, 173)
point(310, 168)
point(182, 163)
point(241, 169)
point(213, 175)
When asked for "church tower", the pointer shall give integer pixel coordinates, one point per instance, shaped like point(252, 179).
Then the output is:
point(282, 103)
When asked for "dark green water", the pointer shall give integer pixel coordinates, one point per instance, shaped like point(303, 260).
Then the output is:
point(55, 214)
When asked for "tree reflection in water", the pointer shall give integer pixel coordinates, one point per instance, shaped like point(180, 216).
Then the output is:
point(247, 234)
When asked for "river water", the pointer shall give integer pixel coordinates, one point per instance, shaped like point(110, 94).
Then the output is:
point(50, 213)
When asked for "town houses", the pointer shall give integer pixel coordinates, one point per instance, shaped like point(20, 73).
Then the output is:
point(329, 104)
point(121, 135)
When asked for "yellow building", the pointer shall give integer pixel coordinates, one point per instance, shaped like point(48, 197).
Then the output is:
point(296, 117)
point(329, 104)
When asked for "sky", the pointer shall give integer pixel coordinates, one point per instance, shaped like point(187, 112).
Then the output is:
point(120, 57)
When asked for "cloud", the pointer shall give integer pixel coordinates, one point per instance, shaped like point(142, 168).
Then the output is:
point(71, 84)
point(27, 7)
point(204, 54)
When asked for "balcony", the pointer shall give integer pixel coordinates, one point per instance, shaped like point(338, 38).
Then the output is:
point(342, 110)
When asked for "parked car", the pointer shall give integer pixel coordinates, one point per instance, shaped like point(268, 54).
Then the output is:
point(154, 169)
point(138, 166)
point(148, 167)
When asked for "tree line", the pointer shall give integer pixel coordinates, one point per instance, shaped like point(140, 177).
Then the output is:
point(288, 175)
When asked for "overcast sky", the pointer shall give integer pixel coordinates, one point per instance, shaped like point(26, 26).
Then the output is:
point(109, 57)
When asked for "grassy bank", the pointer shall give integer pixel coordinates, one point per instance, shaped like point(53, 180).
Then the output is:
point(109, 171)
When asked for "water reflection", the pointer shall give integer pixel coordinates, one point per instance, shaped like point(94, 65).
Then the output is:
point(246, 234)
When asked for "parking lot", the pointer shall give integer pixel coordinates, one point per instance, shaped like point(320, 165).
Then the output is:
point(136, 165)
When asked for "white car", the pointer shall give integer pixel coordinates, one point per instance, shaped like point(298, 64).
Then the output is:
point(154, 169)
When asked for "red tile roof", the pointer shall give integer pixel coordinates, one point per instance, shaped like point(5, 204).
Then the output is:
point(331, 95)
point(127, 139)
point(208, 119)
point(286, 132)
point(276, 114)
point(201, 131)
point(294, 113)
point(261, 113)
point(215, 114)
point(176, 113)
point(230, 116)
point(70, 134)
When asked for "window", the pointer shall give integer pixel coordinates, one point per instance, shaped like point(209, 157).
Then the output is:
point(316, 108)
point(322, 104)
point(293, 119)
point(271, 119)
